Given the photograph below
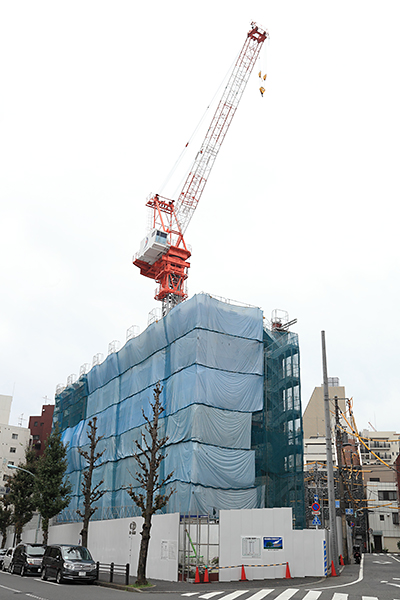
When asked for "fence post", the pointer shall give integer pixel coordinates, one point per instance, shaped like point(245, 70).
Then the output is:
point(111, 572)
point(127, 574)
point(97, 569)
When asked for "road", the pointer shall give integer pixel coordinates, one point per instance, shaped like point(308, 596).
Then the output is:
point(377, 578)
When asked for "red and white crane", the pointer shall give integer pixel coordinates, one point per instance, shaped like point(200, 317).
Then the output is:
point(163, 254)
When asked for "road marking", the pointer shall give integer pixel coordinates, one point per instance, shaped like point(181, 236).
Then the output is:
point(382, 562)
point(369, 598)
point(11, 589)
point(209, 595)
point(234, 595)
point(287, 594)
point(190, 594)
point(340, 596)
point(260, 594)
point(312, 595)
point(395, 584)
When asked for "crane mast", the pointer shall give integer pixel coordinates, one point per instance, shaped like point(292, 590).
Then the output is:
point(163, 254)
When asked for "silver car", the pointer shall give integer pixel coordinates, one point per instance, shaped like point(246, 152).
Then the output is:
point(7, 559)
point(2, 553)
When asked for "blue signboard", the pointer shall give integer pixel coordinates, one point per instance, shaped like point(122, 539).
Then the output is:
point(273, 543)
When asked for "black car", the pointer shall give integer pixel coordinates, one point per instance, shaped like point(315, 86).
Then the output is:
point(68, 562)
point(27, 559)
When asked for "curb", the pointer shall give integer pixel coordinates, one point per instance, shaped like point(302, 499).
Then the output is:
point(122, 587)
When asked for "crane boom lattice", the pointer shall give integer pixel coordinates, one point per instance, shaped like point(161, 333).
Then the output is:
point(205, 158)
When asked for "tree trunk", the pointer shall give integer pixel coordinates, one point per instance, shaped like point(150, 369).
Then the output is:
point(84, 533)
point(18, 533)
point(45, 530)
point(144, 545)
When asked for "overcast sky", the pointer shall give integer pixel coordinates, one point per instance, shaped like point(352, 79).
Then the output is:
point(300, 213)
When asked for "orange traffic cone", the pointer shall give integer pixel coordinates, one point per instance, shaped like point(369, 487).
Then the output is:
point(288, 575)
point(341, 560)
point(333, 570)
point(243, 577)
point(197, 576)
point(206, 579)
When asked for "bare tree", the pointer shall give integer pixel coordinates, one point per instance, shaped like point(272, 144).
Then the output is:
point(149, 457)
point(90, 495)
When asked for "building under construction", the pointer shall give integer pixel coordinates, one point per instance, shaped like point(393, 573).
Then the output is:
point(232, 413)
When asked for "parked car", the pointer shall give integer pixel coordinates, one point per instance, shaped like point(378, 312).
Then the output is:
point(2, 553)
point(67, 562)
point(7, 559)
point(27, 558)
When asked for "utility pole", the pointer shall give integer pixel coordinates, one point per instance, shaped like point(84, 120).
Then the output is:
point(339, 446)
point(329, 463)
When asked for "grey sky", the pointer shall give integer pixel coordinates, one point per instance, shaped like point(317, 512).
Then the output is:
point(300, 212)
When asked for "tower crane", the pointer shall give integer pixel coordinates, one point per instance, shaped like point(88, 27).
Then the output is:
point(163, 254)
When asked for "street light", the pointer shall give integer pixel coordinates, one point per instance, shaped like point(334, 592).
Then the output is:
point(21, 469)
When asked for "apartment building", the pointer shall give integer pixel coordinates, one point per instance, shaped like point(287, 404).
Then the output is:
point(13, 442)
point(380, 452)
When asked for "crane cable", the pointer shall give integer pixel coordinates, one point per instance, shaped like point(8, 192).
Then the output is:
point(263, 70)
point(184, 150)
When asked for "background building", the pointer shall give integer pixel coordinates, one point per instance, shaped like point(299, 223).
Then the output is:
point(348, 481)
point(380, 458)
point(40, 428)
point(13, 442)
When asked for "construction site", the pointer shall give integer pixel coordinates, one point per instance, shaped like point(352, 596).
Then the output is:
point(230, 377)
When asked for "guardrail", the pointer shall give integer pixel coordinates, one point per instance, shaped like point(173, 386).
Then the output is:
point(113, 569)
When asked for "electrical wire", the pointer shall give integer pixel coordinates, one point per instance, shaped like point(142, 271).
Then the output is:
point(184, 150)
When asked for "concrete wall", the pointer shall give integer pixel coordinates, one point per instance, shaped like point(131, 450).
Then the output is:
point(242, 534)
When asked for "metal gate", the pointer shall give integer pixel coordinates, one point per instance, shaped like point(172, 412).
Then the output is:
point(198, 545)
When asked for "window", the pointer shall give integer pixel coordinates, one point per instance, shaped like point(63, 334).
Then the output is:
point(374, 478)
point(10, 462)
point(395, 518)
point(387, 495)
point(14, 436)
point(5, 477)
point(35, 437)
point(13, 450)
point(382, 517)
